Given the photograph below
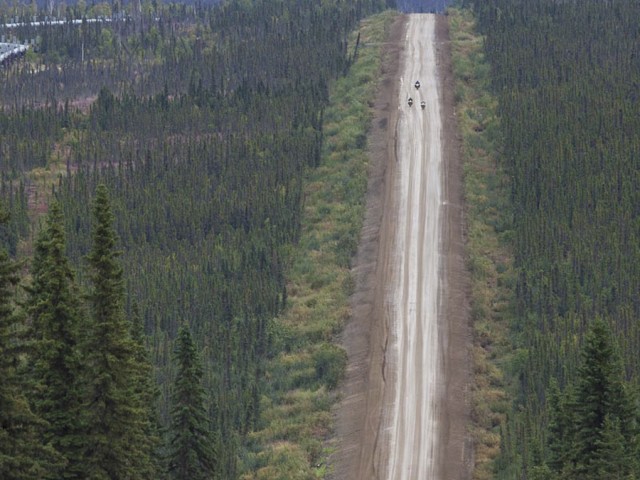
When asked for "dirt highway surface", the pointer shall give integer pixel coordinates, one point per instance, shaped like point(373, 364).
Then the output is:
point(404, 410)
point(413, 301)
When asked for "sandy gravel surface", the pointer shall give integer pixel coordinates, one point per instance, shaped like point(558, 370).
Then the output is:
point(413, 298)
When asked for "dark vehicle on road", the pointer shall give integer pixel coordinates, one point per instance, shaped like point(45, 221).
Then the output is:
point(423, 104)
point(410, 101)
point(417, 84)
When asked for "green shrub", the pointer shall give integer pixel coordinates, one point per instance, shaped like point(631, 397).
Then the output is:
point(331, 362)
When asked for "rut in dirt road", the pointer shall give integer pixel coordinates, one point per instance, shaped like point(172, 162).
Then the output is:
point(412, 424)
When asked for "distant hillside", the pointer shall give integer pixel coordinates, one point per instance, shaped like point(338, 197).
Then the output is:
point(422, 6)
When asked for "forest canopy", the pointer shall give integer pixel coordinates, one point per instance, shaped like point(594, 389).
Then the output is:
point(193, 125)
point(566, 78)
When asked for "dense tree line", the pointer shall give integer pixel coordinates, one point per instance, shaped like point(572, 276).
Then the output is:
point(201, 121)
point(79, 396)
point(23, 454)
point(71, 404)
point(566, 75)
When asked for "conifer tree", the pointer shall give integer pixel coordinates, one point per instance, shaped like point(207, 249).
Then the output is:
point(118, 421)
point(53, 307)
point(191, 448)
point(614, 461)
point(561, 429)
point(23, 454)
point(601, 393)
point(593, 427)
point(146, 387)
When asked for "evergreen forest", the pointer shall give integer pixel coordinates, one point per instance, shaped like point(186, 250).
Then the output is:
point(152, 173)
point(152, 182)
point(566, 76)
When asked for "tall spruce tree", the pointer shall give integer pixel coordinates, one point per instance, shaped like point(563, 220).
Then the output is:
point(118, 445)
point(191, 448)
point(595, 423)
point(23, 453)
point(601, 393)
point(53, 308)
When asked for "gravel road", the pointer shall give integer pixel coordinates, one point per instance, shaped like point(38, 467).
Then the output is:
point(413, 304)
point(404, 408)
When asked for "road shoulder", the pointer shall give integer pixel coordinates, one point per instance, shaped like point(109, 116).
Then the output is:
point(359, 414)
point(456, 460)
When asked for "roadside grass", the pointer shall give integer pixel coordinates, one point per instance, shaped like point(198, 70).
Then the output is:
point(489, 219)
point(293, 441)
